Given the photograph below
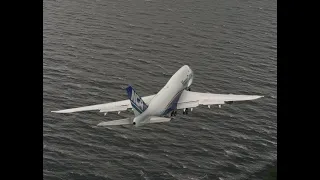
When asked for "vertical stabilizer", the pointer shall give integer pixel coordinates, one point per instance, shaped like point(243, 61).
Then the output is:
point(138, 105)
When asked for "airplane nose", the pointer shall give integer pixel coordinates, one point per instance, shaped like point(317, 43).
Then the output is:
point(187, 67)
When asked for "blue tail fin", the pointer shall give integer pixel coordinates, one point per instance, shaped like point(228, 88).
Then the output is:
point(137, 103)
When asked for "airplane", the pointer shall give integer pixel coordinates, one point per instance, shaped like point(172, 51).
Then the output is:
point(163, 106)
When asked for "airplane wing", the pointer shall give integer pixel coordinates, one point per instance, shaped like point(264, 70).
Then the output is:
point(107, 107)
point(189, 99)
point(116, 122)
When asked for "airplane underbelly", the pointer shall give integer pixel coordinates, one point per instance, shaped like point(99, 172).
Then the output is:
point(170, 104)
point(166, 100)
point(161, 104)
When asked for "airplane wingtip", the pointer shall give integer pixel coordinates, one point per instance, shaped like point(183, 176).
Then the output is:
point(57, 111)
point(258, 97)
point(101, 124)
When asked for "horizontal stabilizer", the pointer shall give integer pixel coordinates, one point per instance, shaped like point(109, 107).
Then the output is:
point(116, 122)
point(156, 119)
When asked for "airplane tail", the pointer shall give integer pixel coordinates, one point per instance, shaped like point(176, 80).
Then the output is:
point(138, 105)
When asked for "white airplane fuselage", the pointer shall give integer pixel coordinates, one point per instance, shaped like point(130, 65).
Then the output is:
point(165, 101)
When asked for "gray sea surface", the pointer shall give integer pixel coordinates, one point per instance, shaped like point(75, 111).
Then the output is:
point(93, 49)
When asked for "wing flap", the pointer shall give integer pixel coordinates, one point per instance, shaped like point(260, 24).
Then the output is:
point(210, 102)
point(116, 108)
point(190, 104)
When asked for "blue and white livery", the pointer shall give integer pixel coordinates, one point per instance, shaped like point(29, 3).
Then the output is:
point(138, 105)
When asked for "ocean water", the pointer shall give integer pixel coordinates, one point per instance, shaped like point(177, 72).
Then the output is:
point(92, 50)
